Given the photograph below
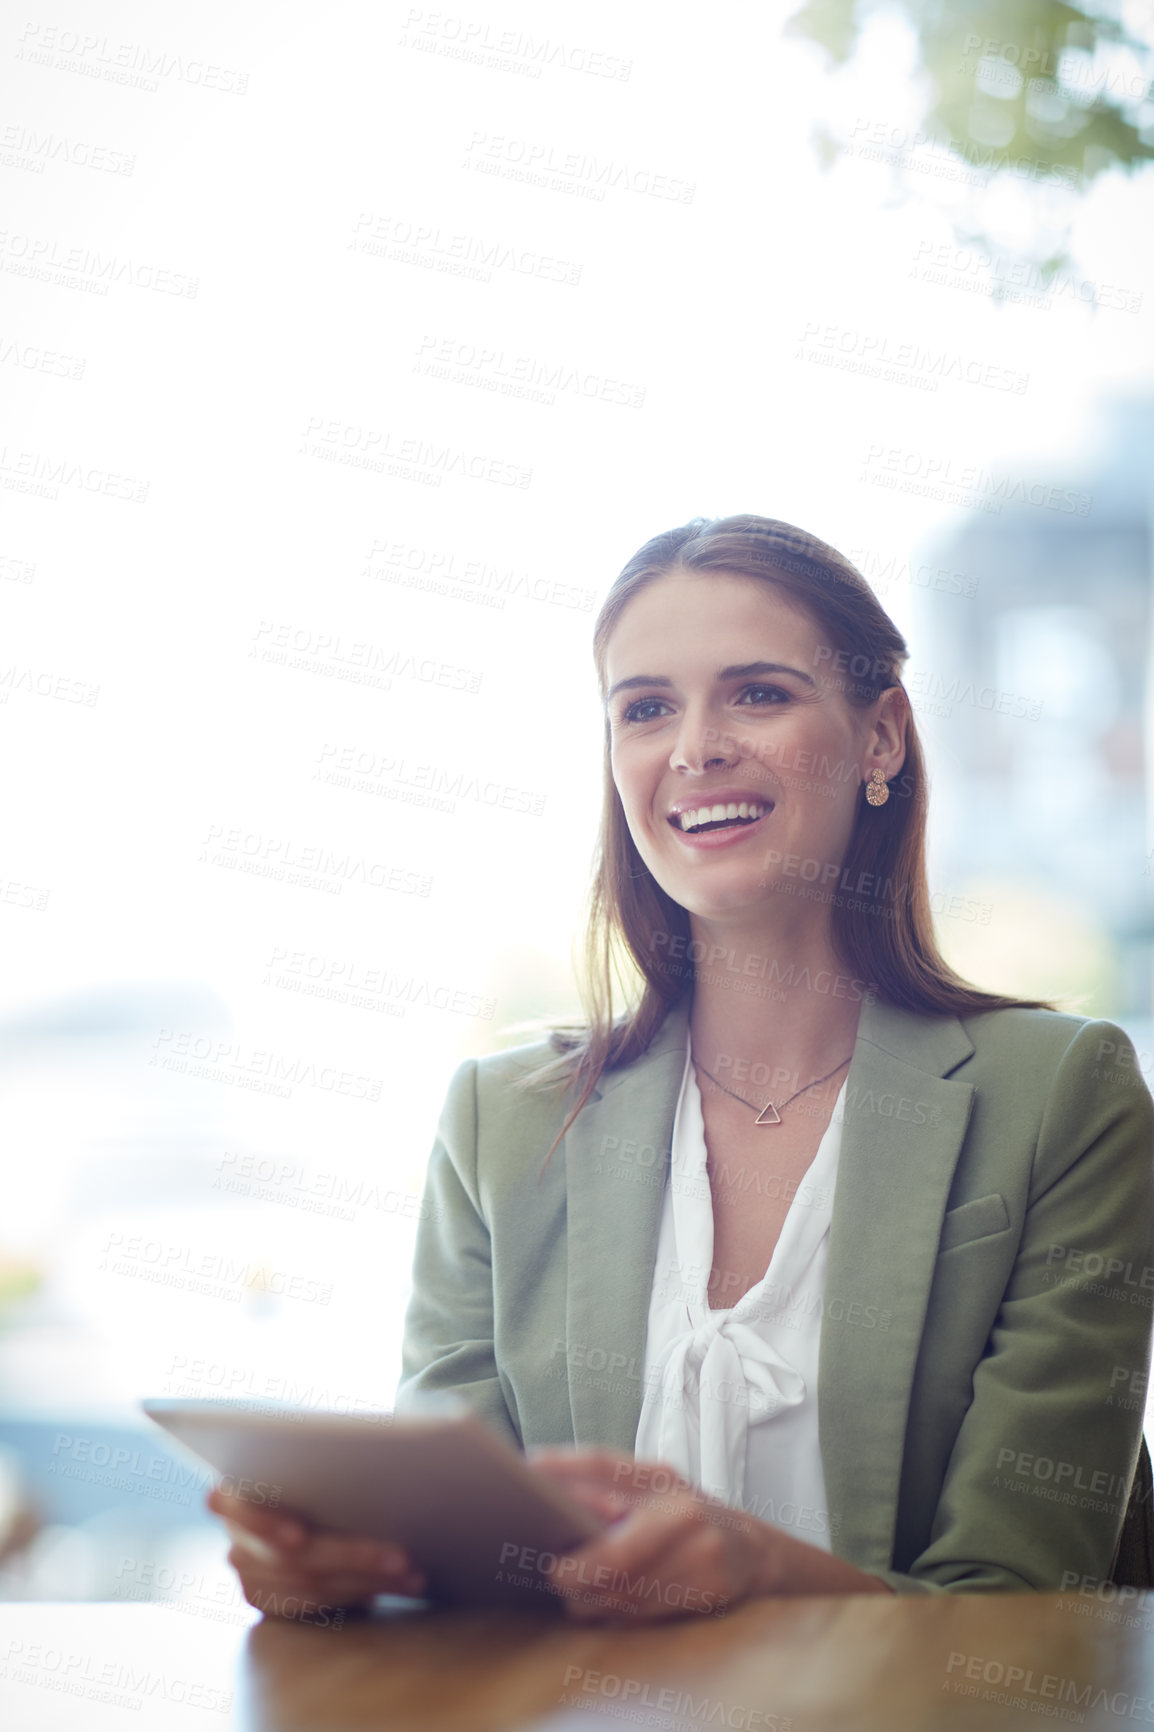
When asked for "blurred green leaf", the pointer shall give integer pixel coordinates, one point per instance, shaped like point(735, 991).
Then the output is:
point(1016, 81)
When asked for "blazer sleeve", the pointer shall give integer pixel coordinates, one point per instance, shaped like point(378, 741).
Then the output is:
point(448, 1337)
point(1039, 1476)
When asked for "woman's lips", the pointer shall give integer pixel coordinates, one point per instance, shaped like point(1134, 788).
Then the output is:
point(735, 832)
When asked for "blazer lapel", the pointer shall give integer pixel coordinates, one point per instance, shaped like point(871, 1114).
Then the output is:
point(901, 1137)
point(616, 1163)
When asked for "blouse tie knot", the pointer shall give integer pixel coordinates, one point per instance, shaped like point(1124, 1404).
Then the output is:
point(722, 1377)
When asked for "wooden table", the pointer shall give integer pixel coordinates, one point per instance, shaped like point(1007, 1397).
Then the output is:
point(857, 1664)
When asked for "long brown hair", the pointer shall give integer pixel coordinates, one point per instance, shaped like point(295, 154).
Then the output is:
point(629, 917)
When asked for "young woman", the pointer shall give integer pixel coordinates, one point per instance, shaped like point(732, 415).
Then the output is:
point(819, 1269)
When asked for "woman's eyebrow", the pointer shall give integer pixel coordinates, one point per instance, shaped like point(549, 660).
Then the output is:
point(740, 670)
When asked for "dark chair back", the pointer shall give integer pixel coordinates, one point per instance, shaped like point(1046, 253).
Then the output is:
point(1133, 1565)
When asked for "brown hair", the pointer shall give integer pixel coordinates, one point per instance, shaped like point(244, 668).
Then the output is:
point(630, 918)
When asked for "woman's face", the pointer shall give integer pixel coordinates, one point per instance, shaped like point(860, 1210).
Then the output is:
point(723, 695)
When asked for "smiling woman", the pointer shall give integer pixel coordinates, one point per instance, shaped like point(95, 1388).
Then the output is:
point(810, 1297)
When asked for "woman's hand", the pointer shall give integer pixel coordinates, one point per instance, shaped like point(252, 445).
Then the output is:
point(670, 1549)
point(288, 1569)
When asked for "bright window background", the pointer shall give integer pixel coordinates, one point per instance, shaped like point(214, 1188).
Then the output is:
point(335, 637)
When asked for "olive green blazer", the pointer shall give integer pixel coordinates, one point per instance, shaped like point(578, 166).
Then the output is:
point(986, 1328)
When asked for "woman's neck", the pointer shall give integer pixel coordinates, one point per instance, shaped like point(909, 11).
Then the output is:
point(769, 1012)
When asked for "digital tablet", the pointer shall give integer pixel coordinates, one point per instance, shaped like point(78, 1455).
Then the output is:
point(468, 1507)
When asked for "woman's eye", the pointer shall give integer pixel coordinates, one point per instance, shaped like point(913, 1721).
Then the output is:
point(764, 694)
point(647, 709)
point(641, 710)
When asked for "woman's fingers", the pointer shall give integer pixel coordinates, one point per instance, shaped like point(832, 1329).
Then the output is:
point(593, 1477)
point(604, 1466)
point(609, 1505)
point(278, 1528)
point(330, 1584)
point(610, 1482)
point(280, 1559)
point(631, 1570)
point(610, 1469)
point(329, 1552)
point(251, 1543)
point(268, 1588)
point(271, 1587)
point(672, 1550)
point(272, 1537)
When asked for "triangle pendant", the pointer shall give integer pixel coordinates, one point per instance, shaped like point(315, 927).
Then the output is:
point(774, 1117)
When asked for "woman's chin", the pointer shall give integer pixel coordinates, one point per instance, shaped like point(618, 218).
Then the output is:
point(753, 898)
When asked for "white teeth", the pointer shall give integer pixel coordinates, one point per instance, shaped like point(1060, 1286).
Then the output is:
point(720, 814)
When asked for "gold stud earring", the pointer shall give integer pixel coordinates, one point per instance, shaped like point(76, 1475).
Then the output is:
point(877, 793)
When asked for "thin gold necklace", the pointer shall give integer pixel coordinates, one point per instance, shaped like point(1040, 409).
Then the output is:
point(769, 1106)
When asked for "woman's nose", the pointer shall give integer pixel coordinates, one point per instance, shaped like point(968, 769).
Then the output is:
point(700, 743)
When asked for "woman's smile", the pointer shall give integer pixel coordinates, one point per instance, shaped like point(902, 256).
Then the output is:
point(719, 817)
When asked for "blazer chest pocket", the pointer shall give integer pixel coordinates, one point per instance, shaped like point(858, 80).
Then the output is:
point(976, 1219)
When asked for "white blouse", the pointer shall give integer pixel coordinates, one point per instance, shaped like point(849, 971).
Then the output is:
point(731, 1394)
